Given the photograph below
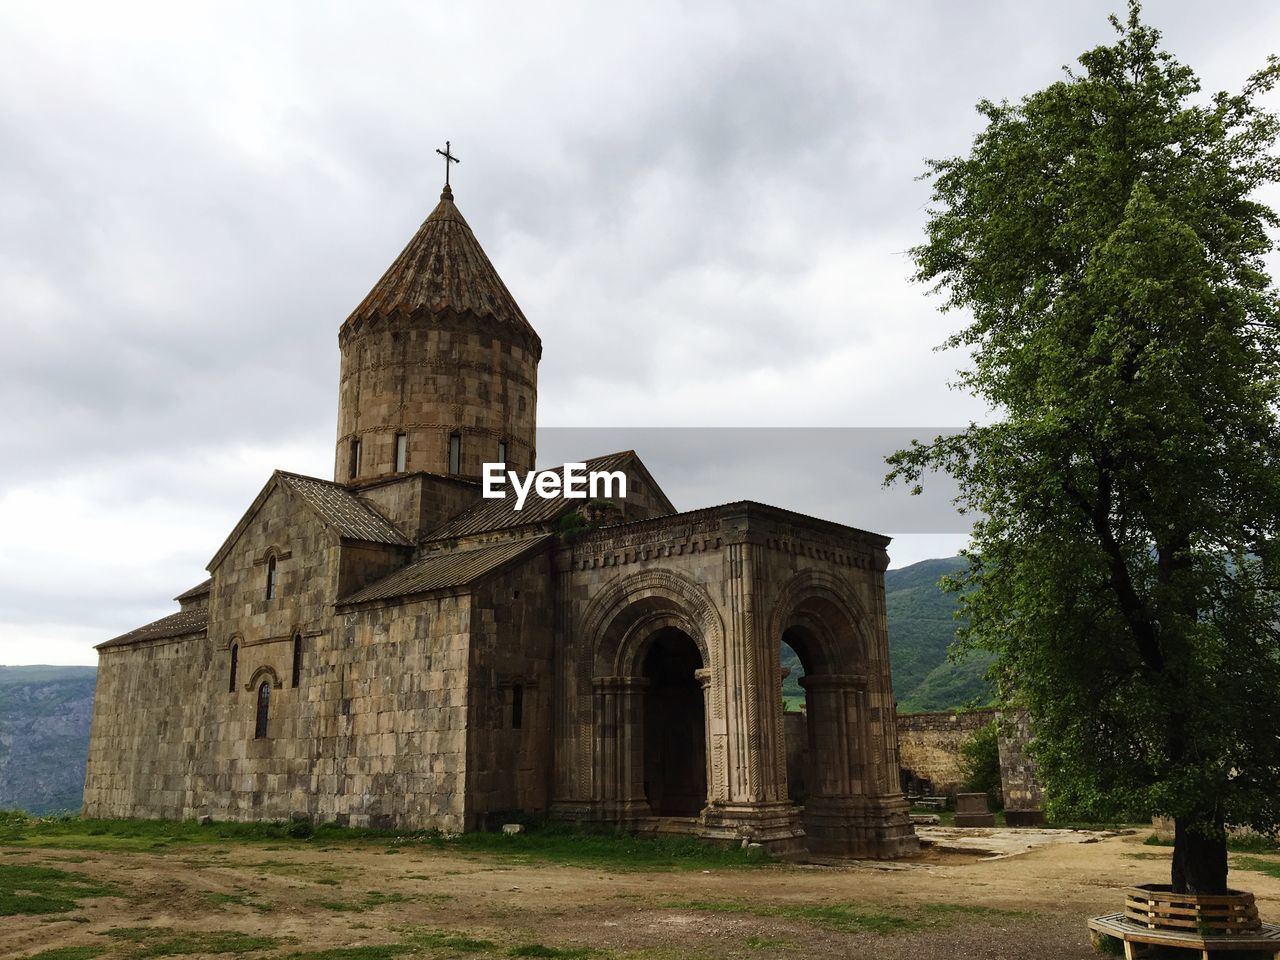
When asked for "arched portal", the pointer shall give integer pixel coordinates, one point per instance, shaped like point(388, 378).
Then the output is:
point(815, 757)
point(795, 722)
point(848, 804)
point(675, 745)
point(657, 630)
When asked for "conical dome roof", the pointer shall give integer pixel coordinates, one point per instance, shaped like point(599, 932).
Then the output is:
point(443, 276)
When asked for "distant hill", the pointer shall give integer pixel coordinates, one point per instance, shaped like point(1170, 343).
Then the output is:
point(44, 736)
point(921, 628)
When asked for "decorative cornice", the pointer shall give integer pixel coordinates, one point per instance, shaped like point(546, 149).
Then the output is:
point(452, 321)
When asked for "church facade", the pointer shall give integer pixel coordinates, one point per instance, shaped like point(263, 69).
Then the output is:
point(391, 649)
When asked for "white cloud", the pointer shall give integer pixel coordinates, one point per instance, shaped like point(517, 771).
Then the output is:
point(703, 209)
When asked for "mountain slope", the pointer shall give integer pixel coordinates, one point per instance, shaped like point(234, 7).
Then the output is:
point(44, 736)
point(921, 628)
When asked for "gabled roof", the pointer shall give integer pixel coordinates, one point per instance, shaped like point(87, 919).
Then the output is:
point(333, 504)
point(342, 510)
point(448, 568)
point(487, 516)
point(442, 270)
point(179, 624)
point(199, 590)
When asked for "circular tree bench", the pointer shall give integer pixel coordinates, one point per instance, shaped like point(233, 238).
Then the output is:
point(1137, 937)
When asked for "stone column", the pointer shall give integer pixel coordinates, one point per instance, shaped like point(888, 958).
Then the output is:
point(751, 807)
point(780, 783)
point(703, 676)
point(571, 787)
point(618, 755)
point(846, 812)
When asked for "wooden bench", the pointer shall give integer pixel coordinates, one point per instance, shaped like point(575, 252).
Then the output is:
point(1137, 937)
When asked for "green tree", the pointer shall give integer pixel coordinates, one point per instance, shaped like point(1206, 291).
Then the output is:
point(1106, 238)
point(980, 763)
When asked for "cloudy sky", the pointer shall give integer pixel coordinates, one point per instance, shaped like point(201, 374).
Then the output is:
point(702, 208)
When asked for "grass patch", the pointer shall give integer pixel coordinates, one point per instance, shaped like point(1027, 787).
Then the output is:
point(30, 890)
point(381, 952)
point(167, 942)
point(1270, 867)
point(1251, 843)
point(447, 940)
point(970, 910)
point(371, 900)
point(836, 916)
point(850, 918)
point(539, 950)
point(238, 900)
point(67, 953)
point(608, 849)
point(17, 829)
point(548, 843)
point(1107, 946)
point(768, 943)
point(946, 818)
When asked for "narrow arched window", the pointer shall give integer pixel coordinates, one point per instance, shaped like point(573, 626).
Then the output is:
point(455, 452)
point(502, 452)
point(517, 706)
point(264, 709)
point(402, 452)
point(353, 460)
point(235, 667)
point(271, 578)
point(297, 659)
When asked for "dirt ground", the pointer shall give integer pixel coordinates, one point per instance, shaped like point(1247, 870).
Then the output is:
point(965, 904)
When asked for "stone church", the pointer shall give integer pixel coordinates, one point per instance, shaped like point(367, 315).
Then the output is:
point(392, 649)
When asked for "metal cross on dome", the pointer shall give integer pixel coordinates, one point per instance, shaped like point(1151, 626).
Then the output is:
point(448, 159)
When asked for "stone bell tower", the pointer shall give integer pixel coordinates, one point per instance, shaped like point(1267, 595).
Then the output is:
point(439, 364)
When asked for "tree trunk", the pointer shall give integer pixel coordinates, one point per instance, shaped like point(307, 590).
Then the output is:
point(1199, 861)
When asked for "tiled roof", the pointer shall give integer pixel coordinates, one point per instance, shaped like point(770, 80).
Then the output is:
point(493, 515)
point(448, 568)
point(178, 624)
point(342, 510)
point(199, 590)
point(443, 268)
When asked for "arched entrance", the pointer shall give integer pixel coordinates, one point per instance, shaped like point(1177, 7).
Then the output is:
point(812, 752)
point(795, 722)
point(675, 745)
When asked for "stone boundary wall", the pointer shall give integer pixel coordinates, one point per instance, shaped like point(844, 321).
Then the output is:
point(1018, 780)
point(929, 746)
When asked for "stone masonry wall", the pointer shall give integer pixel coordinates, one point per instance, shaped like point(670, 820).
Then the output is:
point(1022, 790)
point(427, 382)
point(929, 744)
point(142, 734)
point(734, 578)
point(418, 503)
point(509, 767)
point(374, 733)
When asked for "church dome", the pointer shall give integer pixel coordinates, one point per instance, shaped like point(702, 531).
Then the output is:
point(443, 276)
point(439, 364)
